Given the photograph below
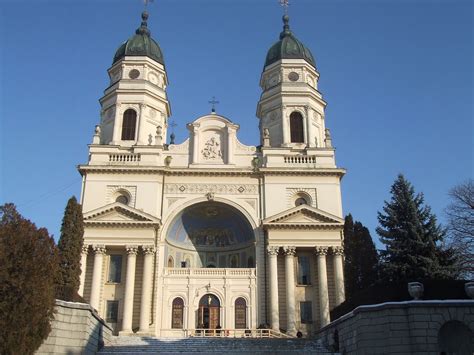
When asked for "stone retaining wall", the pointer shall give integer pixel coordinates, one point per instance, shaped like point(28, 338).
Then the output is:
point(412, 327)
point(76, 329)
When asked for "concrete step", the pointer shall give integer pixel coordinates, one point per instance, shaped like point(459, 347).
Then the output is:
point(135, 345)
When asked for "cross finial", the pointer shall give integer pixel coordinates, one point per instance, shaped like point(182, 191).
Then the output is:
point(213, 102)
point(285, 4)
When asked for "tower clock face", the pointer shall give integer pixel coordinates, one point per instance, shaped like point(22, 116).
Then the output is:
point(293, 76)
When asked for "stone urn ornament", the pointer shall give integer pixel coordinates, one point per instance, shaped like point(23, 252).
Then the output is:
point(469, 288)
point(415, 289)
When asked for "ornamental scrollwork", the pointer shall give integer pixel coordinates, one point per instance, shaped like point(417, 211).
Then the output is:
point(321, 251)
point(273, 250)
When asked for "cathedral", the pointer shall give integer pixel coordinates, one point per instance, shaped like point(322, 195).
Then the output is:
point(210, 234)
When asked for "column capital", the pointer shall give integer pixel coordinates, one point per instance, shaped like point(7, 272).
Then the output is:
point(339, 250)
point(131, 249)
point(289, 250)
point(99, 249)
point(273, 250)
point(148, 249)
point(321, 251)
point(85, 249)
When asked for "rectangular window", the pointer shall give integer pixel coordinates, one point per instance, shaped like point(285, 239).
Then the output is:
point(115, 269)
point(303, 271)
point(306, 312)
point(112, 312)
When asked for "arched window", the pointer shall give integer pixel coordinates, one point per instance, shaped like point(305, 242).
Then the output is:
point(240, 313)
point(296, 127)
point(170, 261)
point(128, 125)
point(177, 313)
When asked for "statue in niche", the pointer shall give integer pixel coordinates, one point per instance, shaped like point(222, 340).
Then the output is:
point(212, 149)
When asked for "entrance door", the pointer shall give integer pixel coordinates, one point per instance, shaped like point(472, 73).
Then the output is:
point(209, 312)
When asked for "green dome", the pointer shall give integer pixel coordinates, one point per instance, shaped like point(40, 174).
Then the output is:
point(288, 47)
point(141, 44)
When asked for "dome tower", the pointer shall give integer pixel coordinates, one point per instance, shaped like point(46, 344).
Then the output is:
point(291, 109)
point(135, 105)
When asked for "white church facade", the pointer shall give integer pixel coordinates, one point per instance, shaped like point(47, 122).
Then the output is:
point(211, 233)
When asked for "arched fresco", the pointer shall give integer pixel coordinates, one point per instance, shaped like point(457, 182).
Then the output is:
point(215, 234)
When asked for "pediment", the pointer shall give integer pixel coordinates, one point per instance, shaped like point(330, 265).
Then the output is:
point(119, 213)
point(303, 216)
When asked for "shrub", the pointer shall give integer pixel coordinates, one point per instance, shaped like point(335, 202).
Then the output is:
point(28, 270)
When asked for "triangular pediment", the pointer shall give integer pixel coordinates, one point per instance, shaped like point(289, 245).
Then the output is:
point(303, 215)
point(119, 213)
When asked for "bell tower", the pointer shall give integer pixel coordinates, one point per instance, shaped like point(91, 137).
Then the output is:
point(135, 108)
point(291, 109)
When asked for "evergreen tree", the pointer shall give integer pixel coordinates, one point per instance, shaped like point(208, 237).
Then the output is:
point(28, 271)
point(412, 237)
point(70, 249)
point(361, 258)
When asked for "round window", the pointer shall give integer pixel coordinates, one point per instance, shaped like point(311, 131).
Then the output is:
point(122, 199)
point(133, 74)
point(293, 76)
point(301, 201)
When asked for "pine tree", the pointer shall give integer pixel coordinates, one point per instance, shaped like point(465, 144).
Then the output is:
point(70, 249)
point(412, 237)
point(361, 258)
point(28, 271)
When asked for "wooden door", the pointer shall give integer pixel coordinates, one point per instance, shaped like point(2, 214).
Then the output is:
point(214, 320)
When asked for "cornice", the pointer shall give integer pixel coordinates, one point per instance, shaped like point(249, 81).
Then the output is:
point(122, 224)
point(84, 169)
point(308, 226)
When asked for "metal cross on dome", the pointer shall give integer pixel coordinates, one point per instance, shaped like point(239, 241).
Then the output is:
point(285, 4)
point(213, 102)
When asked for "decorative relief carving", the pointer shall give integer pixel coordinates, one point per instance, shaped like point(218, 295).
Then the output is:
point(273, 250)
point(153, 77)
point(292, 194)
point(338, 250)
point(85, 249)
point(225, 189)
point(212, 149)
point(114, 190)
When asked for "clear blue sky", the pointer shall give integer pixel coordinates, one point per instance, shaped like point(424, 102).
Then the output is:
point(397, 76)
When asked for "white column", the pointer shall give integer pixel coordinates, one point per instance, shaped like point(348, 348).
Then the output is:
point(311, 135)
point(145, 304)
point(285, 127)
point(99, 251)
point(290, 289)
point(117, 123)
point(274, 312)
point(195, 135)
point(85, 251)
point(338, 252)
point(321, 253)
point(129, 288)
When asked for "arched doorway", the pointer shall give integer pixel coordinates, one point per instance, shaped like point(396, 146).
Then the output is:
point(209, 312)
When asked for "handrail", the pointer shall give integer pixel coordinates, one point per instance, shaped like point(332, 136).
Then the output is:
point(237, 333)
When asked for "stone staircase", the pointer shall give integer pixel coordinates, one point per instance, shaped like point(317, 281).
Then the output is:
point(228, 346)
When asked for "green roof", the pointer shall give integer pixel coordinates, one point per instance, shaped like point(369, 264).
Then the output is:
point(141, 44)
point(288, 47)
